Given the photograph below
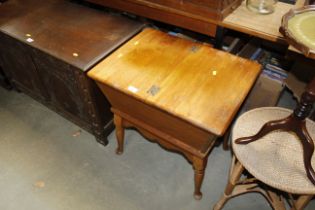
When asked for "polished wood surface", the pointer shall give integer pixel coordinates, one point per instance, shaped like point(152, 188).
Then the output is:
point(73, 33)
point(200, 84)
point(197, 15)
point(178, 93)
point(262, 26)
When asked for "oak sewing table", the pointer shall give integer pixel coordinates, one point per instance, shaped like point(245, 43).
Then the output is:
point(178, 93)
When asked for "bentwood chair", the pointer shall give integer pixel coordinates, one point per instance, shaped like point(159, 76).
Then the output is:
point(276, 156)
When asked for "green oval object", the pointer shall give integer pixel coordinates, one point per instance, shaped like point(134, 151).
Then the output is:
point(302, 27)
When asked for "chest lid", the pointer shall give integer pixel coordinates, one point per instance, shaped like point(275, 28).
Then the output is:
point(193, 81)
point(76, 34)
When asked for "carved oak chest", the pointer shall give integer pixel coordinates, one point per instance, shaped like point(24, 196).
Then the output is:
point(10, 10)
point(46, 53)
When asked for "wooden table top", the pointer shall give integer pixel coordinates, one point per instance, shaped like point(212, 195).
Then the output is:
point(190, 80)
point(262, 26)
point(79, 35)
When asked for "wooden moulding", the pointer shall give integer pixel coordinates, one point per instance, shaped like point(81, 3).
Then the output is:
point(284, 29)
point(195, 15)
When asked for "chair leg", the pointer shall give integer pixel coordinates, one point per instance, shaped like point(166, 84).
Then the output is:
point(302, 202)
point(235, 174)
point(236, 187)
point(226, 139)
point(274, 199)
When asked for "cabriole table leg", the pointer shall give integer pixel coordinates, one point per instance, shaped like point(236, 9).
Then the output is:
point(120, 134)
point(199, 166)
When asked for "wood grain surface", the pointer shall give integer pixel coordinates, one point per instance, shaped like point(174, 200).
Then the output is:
point(76, 34)
point(189, 80)
point(262, 26)
point(195, 15)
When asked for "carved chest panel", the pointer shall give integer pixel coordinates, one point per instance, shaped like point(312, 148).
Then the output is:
point(47, 52)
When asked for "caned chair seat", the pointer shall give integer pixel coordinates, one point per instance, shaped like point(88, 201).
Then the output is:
point(277, 158)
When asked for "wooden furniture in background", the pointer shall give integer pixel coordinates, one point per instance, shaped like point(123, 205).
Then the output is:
point(197, 15)
point(178, 93)
point(46, 52)
point(299, 38)
point(12, 9)
point(262, 26)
